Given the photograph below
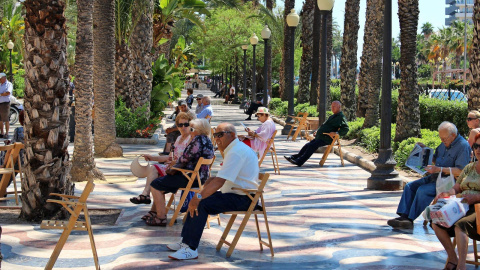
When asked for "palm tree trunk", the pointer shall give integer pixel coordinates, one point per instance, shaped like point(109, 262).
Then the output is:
point(348, 63)
point(104, 79)
point(289, 4)
point(307, 50)
point(372, 61)
point(329, 55)
point(474, 92)
point(141, 47)
point(408, 111)
point(123, 73)
point(269, 4)
point(47, 165)
point(83, 164)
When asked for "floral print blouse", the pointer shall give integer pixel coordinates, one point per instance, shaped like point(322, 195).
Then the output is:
point(200, 146)
point(469, 179)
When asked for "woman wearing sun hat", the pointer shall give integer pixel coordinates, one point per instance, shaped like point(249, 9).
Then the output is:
point(257, 139)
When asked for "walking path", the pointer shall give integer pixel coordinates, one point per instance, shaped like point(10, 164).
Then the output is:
point(320, 218)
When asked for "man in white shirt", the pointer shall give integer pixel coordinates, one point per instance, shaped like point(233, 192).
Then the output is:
point(239, 169)
point(6, 88)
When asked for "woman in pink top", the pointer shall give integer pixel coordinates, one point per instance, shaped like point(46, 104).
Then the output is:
point(165, 162)
point(257, 139)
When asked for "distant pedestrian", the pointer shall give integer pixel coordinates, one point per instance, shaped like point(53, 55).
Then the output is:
point(6, 88)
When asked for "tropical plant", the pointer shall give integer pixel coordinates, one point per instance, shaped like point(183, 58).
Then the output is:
point(474, 93)
point(182, 54)
point(132, 123)
point(47, 165)
point(167, 85)
point(12, 27)
point(83, 163)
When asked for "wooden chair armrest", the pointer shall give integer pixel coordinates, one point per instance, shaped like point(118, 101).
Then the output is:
point(64, 196)
point(63, 202)
point(182, 170)
point(331, 135)
point(247, 190)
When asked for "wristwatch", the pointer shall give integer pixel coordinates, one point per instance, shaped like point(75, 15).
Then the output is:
point(199, 196)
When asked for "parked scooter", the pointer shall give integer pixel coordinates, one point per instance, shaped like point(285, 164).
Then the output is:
point(15, 108)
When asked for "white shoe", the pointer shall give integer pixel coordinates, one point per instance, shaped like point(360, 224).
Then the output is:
point(176, 246)
point(185, 253)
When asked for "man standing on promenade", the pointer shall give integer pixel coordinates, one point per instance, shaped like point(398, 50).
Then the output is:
point(240, 169)
point(335, 123)
point(452, 154)
point(6, 88)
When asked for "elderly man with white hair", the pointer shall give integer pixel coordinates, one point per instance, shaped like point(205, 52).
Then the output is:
point(6, 88)
point(452, 154)
point(207, 108)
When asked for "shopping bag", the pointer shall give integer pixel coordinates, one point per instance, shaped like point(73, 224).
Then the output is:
point(187, 200)
point(445, 183)
point(447, 211)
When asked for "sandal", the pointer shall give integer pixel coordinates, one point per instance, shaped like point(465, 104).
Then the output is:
point(141, 199)
point(454, 266)
point(152, 221)
point(149, 215)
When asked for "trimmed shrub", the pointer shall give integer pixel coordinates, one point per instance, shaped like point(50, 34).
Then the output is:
point(354, 128)
point(434, 111)
point(335, 93)
point(134, 124)
point(370, 138)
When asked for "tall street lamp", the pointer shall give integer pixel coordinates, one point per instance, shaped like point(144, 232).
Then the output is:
point(10, 48)
point(254, 42)
point(244, 48)
point(292, 22)
point(384, 177)
point(266, 36)
point(325, 7)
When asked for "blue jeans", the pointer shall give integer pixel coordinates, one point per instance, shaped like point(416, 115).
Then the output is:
point(214, 204)
point(307, 151)
point(417, 195)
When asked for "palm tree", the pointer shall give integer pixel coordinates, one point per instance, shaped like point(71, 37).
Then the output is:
point(104, 79)
point(348, 63)
point(427, 29)
point(371, 67)
point(474, 92)
point(47, 165)
point(141, 48)
point(83, 164)
point(307, 50)
point(336, 46)
point(289, 5)
point(408, 110)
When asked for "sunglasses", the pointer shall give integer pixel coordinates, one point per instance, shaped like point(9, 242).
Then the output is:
point(470, 119)
point(183, 125)
point(475, 146)
point(220, 134)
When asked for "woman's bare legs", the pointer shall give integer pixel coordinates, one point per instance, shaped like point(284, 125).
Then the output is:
point(152, 174)
point(159, 203)
point(446, 242)
point(462, 248)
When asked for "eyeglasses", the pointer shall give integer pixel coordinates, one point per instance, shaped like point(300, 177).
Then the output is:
point(470, 118)
point(475, 146)
point(220, 134)
point(183, 125)
point(445, 139)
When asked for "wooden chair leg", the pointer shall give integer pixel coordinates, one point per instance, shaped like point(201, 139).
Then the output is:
point(92, 241)
point(299, 128)
point(276, 159)
point(223, 239)
point(325, 155)
point(177, 209)
point(61, 242)
point(15, 188)
point(258, 233)
point(270, 245)
point(340, 154)
point(475, 251)
point(290, 132)
point(238, 234)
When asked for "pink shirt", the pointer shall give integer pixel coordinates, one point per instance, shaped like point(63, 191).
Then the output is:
point(264, 132)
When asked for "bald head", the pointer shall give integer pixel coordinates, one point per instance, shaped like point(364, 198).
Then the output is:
point(227, 134)
point(336, 107)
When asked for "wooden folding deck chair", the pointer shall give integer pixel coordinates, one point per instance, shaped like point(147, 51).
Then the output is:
point(271, 149)
point(191, 176)
point(255, 195)
point(209, 118)
point(300, 124)
point(335, 142)
point(8, 171)
point(75, 205)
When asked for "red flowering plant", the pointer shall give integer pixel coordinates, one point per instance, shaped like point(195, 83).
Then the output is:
point(147, 132)
point(135, 123)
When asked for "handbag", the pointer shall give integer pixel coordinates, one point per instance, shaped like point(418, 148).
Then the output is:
point(447, 211)
point(444, 184)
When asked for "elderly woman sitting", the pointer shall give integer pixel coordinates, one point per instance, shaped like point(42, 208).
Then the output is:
point(468, 185)
point(165, 162)
point(257, 139)
point(200, 146)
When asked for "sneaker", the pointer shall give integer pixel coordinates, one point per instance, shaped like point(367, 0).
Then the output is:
point(400, 223)
point(185, 253)
point(176, 246)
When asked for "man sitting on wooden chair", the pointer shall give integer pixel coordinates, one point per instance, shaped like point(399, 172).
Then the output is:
point(336, 122)
point(240, 169)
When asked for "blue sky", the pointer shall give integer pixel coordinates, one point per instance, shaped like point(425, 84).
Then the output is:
point(432, 11)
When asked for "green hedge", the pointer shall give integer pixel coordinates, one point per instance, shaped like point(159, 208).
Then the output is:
point(429, 138)
point(354, 128)
point(134, 124)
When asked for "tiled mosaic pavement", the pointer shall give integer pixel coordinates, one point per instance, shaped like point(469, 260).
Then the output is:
point(320, 218)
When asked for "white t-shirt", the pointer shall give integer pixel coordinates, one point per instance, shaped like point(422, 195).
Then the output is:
point(239, 169)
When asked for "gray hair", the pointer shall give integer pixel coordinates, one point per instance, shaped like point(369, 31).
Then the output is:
point(202, 126)
point(445, 125)
point(475, 112)
point(207, 99)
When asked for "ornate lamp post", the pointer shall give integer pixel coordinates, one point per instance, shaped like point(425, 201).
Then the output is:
point(244, 48)
point(292, 22)
point(384, 177)
point(10, 46)
point(325, 7)
point(254, 42)
point(266, 36)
